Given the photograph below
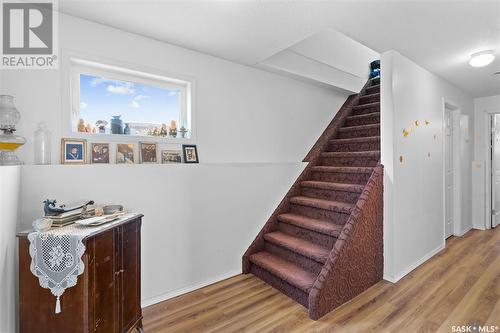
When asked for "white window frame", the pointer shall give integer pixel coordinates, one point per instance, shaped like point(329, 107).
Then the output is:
point(76, 65)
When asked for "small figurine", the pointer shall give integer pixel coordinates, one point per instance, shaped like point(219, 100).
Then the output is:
point(163, 131)
point(183, 131)
point(101, 125)
point(81, 125)
point(173, 129)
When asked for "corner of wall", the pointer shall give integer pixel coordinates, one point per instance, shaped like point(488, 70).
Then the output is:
point(387, 159)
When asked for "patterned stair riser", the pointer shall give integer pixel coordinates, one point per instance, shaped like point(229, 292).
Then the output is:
point(353, 146)
point(368, 119)
point(334, 195)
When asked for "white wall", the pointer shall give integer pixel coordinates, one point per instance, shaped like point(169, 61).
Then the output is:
point(328, 57)
point(483, 107)
point(9, 196)
point(243, 114)
point(199, 219)
point(253, 128)
point(413, 208)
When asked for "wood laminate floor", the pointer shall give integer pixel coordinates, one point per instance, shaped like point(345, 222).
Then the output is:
point(459, 286)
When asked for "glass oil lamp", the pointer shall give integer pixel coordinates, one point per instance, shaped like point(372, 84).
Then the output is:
point(9, 117)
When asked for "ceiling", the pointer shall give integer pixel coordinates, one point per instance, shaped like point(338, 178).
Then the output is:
point(439, 35)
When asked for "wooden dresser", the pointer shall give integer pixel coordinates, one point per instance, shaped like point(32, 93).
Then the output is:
point(107, 296)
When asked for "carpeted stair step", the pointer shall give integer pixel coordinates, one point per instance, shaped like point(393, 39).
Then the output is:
point(373, 89)
point(363, 119)
point(354, 144)
point(300, 246)
point(356, 158)
point(331, 191)
point(318, 226)
point(346, 175)
point(292, 280)
point(358, 131)
point(297, 230)
point(369, 98)
point(334, 211)
point(365, 108)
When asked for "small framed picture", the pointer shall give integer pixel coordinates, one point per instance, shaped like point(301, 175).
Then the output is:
point(171, 156)
point(125, 153)
point(148, 152)
point(190, 154)
point(73, 151)
point(99, 153)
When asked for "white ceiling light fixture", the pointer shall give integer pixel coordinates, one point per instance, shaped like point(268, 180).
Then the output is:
point(481, 59)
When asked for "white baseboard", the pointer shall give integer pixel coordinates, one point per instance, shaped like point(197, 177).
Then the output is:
point(463, 232)
point(395, 278)
point(178, 292)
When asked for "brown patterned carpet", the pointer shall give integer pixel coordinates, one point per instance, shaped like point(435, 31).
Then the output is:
point(323, 244)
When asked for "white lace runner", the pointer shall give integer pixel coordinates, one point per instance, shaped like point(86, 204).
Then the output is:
point(56, 256)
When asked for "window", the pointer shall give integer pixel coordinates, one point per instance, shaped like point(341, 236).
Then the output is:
point(108, 100)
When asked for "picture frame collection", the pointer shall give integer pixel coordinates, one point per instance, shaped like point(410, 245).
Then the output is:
point(79, 151)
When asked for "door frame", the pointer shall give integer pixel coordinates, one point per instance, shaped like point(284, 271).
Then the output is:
point(489, 175)
point(447, 104)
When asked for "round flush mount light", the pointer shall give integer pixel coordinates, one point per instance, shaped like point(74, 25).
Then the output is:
point(481, 59)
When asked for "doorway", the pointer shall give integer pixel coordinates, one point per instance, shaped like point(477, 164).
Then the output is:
point(495, 169)
point(448, 172)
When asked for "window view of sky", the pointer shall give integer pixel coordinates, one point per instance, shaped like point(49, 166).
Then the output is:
point(100, 99)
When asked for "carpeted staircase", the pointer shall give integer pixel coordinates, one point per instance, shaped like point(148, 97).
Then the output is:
point(323, 244)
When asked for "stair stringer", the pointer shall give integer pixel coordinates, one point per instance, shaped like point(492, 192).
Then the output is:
point(356, 260)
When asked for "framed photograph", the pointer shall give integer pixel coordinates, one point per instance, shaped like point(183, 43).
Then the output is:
point(125, 153)
point(99, 153)
point(190, 154)
point(148, 152)
point(171, 156)
point(73, 151)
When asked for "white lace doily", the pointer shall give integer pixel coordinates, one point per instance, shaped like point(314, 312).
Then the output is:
point(56, 256)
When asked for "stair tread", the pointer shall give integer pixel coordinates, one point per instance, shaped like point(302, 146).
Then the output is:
point(366, 115)
point(360, 139)
point(285, 270)
point(320, 226)
point(298, 245)
point(333, 186)
point(364, 106)
point(358, 127)
point(337, 206)
point(343, 169)
point(350, 153)
point(374, 87)
point(370, 95)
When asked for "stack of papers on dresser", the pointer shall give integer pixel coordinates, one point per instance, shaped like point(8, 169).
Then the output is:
point(66, 218)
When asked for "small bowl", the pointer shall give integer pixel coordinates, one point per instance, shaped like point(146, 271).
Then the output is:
point(112, 209)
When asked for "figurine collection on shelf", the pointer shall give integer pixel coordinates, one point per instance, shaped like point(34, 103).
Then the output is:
point(118, 126)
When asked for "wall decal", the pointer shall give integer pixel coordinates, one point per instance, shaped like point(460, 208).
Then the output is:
point(427, 122)
point(435, 137)
point(416, 123)
point(401, 158)
point(429, 155)
point(406, 132)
